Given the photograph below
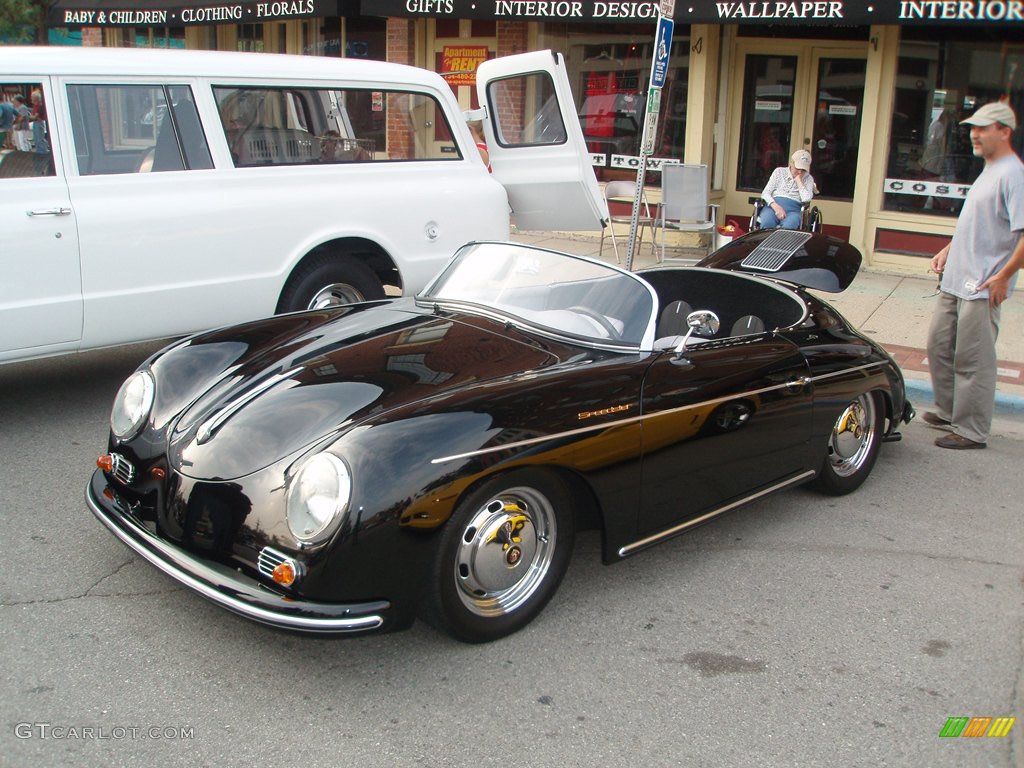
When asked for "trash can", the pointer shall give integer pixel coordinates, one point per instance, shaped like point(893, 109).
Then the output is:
point(726, 233)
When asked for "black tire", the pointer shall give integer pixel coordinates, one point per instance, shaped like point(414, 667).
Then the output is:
point(852, 446)
point(327, 281)
point(500, 557)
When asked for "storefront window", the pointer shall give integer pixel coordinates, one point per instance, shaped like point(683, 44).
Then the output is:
point(609, 68)
point(939, 82)
point(250, 38)
point(147, 37)
point(366, 38)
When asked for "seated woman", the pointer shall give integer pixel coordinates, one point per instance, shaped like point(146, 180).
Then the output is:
point(786, 191)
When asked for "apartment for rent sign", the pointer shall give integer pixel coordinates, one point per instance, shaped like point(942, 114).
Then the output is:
point(462, 60)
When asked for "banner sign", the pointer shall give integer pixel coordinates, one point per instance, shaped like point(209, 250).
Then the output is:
point(75, 13)
point(462, 59)
point(759, 12)
point(173, 13)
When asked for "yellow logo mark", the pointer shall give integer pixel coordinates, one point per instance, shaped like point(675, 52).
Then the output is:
point(604, 411)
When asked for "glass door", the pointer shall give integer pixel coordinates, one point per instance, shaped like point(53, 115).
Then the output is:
point(769, 83)
point(797, 95)
point(834, 137)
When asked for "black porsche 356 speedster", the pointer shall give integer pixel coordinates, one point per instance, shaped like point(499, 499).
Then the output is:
point(345, 470)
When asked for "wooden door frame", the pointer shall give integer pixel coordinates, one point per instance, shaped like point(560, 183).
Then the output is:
point(808, 53)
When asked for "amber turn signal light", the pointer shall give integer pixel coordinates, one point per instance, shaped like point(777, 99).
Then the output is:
point(284, 574)
point(105, 462)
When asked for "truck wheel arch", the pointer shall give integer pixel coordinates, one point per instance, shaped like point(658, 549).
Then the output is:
point(338, 272)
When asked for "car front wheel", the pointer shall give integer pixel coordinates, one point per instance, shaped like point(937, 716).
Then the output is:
point(852, 446)
point(501, 556)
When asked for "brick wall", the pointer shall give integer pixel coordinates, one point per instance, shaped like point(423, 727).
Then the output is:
point(512, 39)
point(401, 50)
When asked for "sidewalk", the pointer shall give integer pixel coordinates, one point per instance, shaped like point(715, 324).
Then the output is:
point(893, 309)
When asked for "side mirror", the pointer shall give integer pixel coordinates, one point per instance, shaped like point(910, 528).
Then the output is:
point(703, 322)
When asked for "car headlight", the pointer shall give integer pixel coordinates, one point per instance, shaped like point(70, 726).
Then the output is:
point(132, 405)
point(318, 496)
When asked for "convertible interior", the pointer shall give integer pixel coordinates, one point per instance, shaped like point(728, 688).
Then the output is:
point(743, 305)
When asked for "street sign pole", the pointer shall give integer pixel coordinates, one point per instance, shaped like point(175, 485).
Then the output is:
point(659, 71)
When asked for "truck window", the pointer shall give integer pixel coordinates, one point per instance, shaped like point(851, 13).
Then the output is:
point(525, 110)
point(136, 129)
point(296, 126)
point(26, 136)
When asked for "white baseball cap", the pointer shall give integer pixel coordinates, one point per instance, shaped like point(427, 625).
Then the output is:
point(995, 112)
point(802, 160)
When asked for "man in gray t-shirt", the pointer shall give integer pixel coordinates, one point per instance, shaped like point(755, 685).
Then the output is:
point(979, 270)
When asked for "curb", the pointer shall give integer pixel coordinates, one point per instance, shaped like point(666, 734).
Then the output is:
point(1006, 404)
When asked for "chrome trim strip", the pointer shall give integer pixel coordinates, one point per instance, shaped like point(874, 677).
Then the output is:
point(253, 612)
point(631, 548)
point(834, 374)
point(634, 419)
point(215, 422)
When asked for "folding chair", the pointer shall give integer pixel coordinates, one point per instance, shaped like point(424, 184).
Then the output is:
point(625, 189)
point(685, 207)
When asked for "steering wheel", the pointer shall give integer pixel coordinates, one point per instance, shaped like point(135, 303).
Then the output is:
point(601, 320)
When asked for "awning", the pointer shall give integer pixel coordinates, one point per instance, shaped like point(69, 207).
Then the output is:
point(788, 12)
point(161, 13)
point(164, 13)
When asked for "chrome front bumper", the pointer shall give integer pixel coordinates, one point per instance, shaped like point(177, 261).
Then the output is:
point(225, 586)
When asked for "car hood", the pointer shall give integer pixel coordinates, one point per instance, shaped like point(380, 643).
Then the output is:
point(821, 262)
point(275, 387)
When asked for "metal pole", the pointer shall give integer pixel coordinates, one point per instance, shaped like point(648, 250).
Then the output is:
point(659, 70)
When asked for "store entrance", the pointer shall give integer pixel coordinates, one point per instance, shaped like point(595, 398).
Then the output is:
point(792, 95)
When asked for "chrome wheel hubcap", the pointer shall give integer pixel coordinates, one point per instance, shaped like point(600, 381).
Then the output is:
point(852, 436)
point(505, 552)
point(335, 295)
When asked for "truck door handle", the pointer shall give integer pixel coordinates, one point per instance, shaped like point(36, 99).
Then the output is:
point(50, 212)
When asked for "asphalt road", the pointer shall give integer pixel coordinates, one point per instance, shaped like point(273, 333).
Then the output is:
point(801, 631)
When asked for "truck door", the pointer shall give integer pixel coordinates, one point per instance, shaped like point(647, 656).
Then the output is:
point(41, 288)
point(536, 145)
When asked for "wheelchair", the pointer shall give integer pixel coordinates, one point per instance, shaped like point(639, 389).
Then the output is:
point(810, 216)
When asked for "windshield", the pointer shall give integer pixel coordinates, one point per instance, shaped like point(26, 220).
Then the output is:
point(556, 292)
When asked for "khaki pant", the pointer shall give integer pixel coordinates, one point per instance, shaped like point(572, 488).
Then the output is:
point(963, 365)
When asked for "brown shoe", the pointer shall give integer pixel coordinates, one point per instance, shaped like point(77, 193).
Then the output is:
point(933, 419)
point(957, 442)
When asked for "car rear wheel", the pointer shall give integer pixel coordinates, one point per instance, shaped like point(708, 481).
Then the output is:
point(501, 556)
point(852, 446)
point(329, 282)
